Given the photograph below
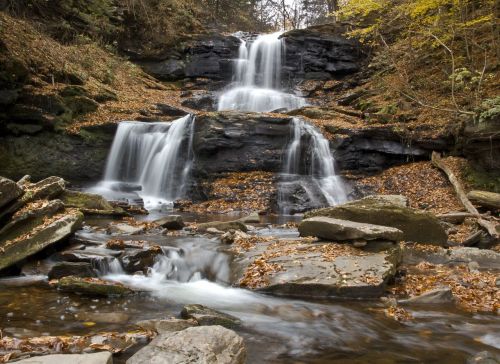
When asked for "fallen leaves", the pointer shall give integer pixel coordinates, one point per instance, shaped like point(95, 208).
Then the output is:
point(247, 191)
point(12, 348)
point(475, 291)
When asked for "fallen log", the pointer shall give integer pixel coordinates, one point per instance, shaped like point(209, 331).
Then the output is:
point(486, 199)
point(489, 226)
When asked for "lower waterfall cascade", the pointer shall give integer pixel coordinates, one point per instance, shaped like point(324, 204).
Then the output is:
point(153, 159)
point(308, 154)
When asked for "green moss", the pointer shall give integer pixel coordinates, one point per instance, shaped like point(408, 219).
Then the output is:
point(482, 180)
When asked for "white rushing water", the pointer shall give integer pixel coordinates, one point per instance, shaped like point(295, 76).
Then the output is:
point(154, 158)
point(257, 78)
point(308, 154)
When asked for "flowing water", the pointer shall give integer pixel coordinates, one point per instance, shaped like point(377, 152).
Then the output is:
point(309, 166)
point(152, 159)
point(257, 78)
point(197, 269)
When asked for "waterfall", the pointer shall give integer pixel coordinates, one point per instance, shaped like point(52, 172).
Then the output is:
point(156, 157)
point(257, 78)
point(310, 167)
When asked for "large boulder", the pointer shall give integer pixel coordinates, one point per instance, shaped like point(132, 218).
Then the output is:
point(204, 344)
point(206, 316)
point(51, 231)
point(9, 191)
point(104, 357)
point(140, 260)
point(338, 230)
point(416, 225)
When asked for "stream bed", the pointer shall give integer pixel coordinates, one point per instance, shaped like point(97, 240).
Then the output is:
point(275, 329)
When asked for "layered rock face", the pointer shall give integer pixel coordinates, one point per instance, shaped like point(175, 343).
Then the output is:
point(313, 53)
point(321, 53)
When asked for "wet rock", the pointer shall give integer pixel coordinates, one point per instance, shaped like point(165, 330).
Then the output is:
point(206, 316)
point(50, 232)
point(98, 259)
point(202, 102)
point(170, 325)
point(223, 226)
point(212, 230)
point(90, 203)
point(435, 296)
point(209, 345)
point(76, 269)
point(140, 260)
point(485, 199)
point(417, 226)
point(484, 357)
point(117, 244)
point(339, 230)
point(91, 286)
point(171, 222)
point(9, 191)
point(125, 229)
point(230, 236)
point(302, 194)
point(94, 358)
point(48, 188)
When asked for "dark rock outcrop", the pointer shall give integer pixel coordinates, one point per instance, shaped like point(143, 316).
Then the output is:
point(238, 142)
point(207, 56)
point(482, 144)
point(320, 52)
point(77, 269)
point(75, 158)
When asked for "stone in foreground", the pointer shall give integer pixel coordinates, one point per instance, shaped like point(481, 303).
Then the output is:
point(206, 316)
point(90, 204)
point(338, 230)
point(96, 358)
point(50, 232)
point(204, 344)
point(435, 296)
point(417, 226)
point(168, 325)
point(91, 286)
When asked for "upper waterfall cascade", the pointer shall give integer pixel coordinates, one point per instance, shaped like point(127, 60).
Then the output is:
point(156, 157)
point(257, 78)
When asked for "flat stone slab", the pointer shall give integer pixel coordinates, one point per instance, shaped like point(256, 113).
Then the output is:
point(223, 226)
point(338, 230)
point(96, 358)
point(306, 270)
point(202, 344)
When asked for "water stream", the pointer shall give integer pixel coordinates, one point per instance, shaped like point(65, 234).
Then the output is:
point(257, 78)
point(197, 269)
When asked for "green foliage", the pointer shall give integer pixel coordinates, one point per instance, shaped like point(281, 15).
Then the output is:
point(490, 109)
